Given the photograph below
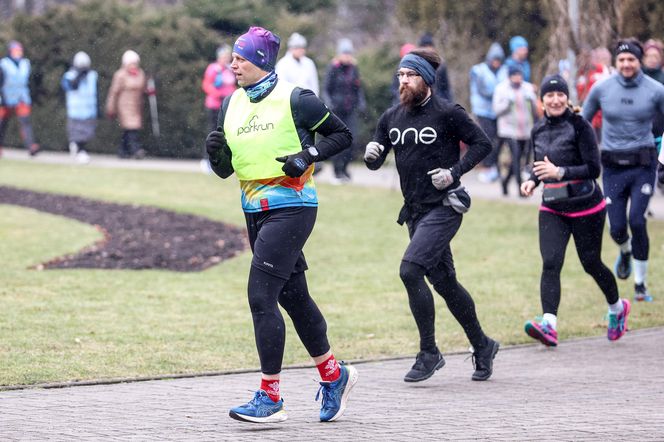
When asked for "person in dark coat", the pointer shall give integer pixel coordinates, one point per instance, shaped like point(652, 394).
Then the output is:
point(441, 85)
point(342, 91)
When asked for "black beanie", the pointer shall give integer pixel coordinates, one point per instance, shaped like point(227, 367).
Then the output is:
point(554, 83)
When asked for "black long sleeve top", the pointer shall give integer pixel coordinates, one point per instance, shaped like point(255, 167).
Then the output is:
point(425, 138)
point(568, 141)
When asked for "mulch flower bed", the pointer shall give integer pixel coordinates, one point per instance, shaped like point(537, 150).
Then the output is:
point(135, 236)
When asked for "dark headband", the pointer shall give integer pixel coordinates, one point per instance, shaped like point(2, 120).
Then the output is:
point(420, 65)
point(631, 47)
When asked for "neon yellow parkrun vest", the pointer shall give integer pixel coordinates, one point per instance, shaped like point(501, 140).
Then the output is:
point(257, 133)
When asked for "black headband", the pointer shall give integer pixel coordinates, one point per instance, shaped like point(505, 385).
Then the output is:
point(631, 47)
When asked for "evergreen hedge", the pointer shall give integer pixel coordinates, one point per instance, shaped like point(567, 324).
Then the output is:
point(174, 48)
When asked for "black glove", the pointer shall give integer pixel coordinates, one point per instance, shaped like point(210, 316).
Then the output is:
point(76, 81)
point(660, 173)
point(216, 145)
point(295, 165)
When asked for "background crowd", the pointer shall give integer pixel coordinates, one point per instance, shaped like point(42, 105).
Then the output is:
point(176, 41)
point(502, 98)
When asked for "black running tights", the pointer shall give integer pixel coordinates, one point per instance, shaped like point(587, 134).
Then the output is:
point(554, 234)
point(265, 291)
point(458, 300)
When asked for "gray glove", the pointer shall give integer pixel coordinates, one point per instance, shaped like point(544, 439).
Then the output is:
point(441, 178)
point(373, 151)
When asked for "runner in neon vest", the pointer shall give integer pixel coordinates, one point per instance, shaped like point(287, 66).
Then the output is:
point(265, 136)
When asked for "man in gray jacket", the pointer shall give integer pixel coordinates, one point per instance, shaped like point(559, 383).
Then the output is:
point(628, 100)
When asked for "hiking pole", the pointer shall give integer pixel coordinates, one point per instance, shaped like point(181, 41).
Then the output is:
point(152, 99)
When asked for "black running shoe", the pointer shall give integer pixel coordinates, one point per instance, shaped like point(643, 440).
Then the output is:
point(623, 265)
point(483, 360)
point(425, 366)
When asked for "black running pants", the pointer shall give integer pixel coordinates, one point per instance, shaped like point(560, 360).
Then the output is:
point(554, 233)
point(277, 278)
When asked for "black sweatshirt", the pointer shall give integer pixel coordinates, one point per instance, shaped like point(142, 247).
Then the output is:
point(307, 110)
point(425, 138)
point(568, 141)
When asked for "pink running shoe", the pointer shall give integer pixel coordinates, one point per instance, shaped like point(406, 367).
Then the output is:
point(543, 332)
point(618, 323)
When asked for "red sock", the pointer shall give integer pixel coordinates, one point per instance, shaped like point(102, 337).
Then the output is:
point(271, 387)
point(329, 369)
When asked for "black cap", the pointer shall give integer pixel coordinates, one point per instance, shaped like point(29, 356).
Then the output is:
point(514, 69)
point(554, 83)
point(426, 39)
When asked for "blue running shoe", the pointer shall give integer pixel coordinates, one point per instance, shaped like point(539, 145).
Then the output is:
point(623, 265)
point(641, 293)
point(335, 394)
point(260, 409)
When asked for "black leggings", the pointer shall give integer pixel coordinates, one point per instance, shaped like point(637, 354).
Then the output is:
point(518, 151)
point(265, 290)
point(554, 234)
point(421, 303)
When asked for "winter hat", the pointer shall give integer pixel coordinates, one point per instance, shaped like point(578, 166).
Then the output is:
point(653, 44)
point(405, 49)
point(345, 46)
point(514, 69)
point(259, 46)
point(223, 49)
point(297, 41)
point(554, 83)
point(81, 60)
point(631, 46)
point(517, 42)
point(14, 44)
point(130, 57)
point(426, 40)
point(495, 52)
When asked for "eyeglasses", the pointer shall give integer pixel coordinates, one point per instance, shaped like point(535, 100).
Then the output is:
point(407, 75)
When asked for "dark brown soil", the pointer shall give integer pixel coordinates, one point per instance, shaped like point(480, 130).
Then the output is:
point(136, 237)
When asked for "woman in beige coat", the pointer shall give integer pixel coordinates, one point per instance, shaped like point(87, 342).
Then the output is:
point(125, 101)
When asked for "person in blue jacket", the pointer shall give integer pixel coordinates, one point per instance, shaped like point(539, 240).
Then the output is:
point(483, 80)
point(16, 95)
point(80, 86)
point(519, 56)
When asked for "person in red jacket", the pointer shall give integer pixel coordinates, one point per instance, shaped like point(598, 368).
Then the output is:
point(218, 83)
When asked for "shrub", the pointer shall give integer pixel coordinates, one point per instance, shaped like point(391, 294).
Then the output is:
point(174, 48)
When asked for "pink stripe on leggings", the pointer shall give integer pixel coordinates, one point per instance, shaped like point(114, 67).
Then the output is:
point(586, 212)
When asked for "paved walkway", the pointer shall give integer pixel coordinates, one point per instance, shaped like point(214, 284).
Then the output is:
point(588, 389)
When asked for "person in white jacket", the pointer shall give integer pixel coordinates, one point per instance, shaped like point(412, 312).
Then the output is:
point(514, 102)
point(296, 68)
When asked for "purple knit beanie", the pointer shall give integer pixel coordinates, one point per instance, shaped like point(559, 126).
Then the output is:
point(259, 46)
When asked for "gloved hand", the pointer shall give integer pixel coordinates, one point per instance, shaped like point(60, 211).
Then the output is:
point(373, 151)
point(295, 165)
point(660, 173)
point(441, 178)
point(77, 81)
point(216, 145)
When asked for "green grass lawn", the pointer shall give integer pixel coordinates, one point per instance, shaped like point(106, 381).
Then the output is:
point(61, 325)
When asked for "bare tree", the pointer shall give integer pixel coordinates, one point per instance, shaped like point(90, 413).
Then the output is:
point(577, 25)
